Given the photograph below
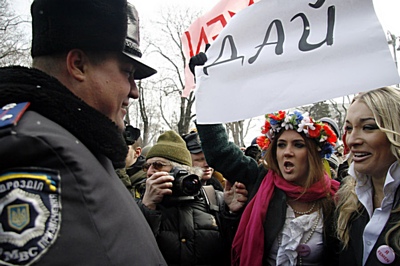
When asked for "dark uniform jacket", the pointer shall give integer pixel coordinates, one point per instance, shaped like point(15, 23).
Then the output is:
point(61, 202)
point(353, 255)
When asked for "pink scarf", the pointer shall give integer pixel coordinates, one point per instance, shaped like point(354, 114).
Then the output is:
point(248, 244)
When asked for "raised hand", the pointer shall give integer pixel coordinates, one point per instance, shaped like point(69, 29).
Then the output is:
point(235, 196)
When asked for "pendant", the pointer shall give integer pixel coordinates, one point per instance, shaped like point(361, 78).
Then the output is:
point(303, 250)
point(385, 254)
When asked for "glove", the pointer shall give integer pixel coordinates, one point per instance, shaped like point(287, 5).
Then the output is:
point(198, 60)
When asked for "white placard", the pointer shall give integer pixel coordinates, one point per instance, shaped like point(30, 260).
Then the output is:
point(279, 54)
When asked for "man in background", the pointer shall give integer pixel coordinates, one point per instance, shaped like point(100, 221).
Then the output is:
point(209, 177)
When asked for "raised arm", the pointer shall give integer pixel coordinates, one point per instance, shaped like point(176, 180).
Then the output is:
point(225, 156)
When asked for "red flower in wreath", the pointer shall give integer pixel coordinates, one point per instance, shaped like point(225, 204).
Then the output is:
point(280, 116)
point(332, 138)
point(266, 128)
point(263, 142)
point(316, 132)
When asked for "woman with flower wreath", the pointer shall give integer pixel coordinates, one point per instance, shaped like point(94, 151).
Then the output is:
point(288, 220)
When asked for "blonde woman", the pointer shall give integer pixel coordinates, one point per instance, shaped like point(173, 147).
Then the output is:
point(368, 207)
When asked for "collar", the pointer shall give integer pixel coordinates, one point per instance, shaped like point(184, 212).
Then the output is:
point(54, 101)
point(364, 188)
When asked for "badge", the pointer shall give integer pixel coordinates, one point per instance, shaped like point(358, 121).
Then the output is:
point(30, 214)
point(303, 250)
point(385, 254)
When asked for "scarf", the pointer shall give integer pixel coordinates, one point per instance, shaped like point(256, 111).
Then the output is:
point(53, 100)
point(248, 244)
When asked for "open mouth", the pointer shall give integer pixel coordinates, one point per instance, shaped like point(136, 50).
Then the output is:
point(288, 166)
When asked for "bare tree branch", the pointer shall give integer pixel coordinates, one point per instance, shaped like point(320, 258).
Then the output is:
point(14, 46)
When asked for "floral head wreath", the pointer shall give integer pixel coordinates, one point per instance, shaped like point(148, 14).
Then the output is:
point(317, 130)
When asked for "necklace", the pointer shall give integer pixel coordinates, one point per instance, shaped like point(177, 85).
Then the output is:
point(306, 212)
point(303, 250)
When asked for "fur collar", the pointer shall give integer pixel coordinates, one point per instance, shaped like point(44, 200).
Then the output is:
point(53, 100)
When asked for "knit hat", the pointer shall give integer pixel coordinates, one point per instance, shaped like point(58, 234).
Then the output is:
point(332, 124)
point(333, 161)
point(93, 25)
point(145, 150)
point(172, 147)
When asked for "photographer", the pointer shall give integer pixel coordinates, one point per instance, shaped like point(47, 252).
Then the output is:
point(188, 226)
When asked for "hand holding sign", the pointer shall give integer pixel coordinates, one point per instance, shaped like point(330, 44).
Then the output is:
point(198, 60)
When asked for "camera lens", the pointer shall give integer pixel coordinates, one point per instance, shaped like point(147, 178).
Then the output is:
point(191, 185)
point(185, 184)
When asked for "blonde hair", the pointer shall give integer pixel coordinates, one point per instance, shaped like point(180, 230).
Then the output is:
point(383, 102)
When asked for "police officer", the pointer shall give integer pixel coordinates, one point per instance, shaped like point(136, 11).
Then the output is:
point(61, 126)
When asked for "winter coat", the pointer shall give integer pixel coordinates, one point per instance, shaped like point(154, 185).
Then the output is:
point(188, 232)
point(353, 255)
point(61, 202)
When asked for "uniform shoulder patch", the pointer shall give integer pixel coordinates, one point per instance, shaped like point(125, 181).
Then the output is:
point(30, 214)
point(11, 113)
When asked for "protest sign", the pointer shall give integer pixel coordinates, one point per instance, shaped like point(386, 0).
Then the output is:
point(205, 30)
point(279, 54)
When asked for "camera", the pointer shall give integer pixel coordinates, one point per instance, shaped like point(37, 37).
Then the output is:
point(185, 184)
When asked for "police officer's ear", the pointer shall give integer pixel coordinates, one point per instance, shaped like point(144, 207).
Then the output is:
point(76, 61)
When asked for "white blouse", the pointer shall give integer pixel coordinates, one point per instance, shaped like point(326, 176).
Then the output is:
point(295, 231)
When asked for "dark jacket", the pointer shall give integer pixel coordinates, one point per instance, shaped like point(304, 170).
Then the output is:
point(353, 255)
point(66, 205)
point(135, 169)
point(227, 158)
point(188, 232)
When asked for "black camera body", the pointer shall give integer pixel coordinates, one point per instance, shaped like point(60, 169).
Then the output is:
point(185, 184)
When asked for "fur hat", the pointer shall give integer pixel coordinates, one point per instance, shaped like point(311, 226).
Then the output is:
point(193, 142)
point(172, 147)
point(93, 25)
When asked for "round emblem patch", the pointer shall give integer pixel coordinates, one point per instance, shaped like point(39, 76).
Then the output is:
point(30, 214)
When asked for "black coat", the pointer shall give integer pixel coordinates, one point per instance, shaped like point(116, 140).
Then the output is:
point(63, 203)
point(188, 232)
point(353, 255)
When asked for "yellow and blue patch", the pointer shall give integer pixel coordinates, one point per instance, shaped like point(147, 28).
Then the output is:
point(30, 214)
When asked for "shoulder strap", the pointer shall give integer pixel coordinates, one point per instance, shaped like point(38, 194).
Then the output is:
point(211, 197)
point(11, 113)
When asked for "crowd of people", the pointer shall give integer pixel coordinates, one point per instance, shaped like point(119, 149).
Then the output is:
point(77, 187)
